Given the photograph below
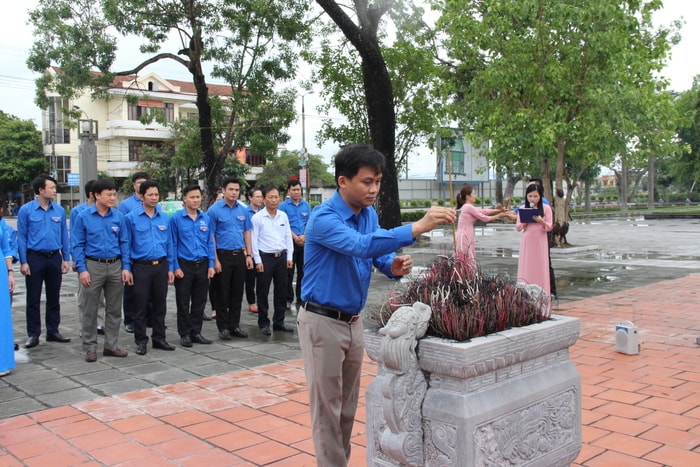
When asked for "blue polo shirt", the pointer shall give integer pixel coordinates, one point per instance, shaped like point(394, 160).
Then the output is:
point(9, 241)
point(93, 234)
point(228, 224)
point(129, 204)
point(42, 229)
point(340, 250)
point(148, 237)
point(298, 214)
point(191, 238)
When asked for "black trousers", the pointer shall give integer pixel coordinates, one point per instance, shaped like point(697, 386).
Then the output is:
point(150, 283)
point(44, 271)
point(230, 290)
point(298, 264)
point(274, 271)
point(191, 297)
point(250, 278)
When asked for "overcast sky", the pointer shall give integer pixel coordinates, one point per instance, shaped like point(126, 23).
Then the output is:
point(17, 82)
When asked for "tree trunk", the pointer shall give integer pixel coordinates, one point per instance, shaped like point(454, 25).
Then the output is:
point(623, 184)
point(212, 164)
point(588, 197)
point(379, 96)
point(652, 182)
point(561, 209)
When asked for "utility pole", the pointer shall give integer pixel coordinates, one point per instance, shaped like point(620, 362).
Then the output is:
point(304, 156)
point(87, 133)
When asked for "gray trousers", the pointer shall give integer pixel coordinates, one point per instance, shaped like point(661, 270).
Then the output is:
point(107, 279)
point(332, 352)
point(81, 307)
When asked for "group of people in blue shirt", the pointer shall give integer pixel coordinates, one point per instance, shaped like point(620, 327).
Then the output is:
point(125, 258)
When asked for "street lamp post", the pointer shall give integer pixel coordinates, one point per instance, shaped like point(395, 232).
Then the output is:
point(304, 156)
point(87, 156)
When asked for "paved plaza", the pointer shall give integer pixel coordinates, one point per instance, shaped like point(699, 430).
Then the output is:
point(243, 402)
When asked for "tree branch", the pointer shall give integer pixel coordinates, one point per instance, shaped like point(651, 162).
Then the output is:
point(151, 60)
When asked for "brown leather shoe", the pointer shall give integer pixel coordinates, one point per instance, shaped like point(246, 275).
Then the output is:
point(115, 353)
point(91, 356)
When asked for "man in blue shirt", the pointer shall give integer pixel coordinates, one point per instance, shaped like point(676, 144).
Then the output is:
point(255, 204)
point(193, 259)
point(99, 243)
point(90, 200)
point(44, 252)
point(231, 228)
point(343, 242)
point(149, 260)
point(297, 211)
point(125, 207)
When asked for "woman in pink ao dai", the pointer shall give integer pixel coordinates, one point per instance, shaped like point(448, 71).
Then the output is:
point(533, 264)
point(465, 244)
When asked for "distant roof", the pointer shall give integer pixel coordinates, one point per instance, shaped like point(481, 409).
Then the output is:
point(186, 87)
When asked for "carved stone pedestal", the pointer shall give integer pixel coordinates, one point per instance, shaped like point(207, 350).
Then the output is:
point(511, 398)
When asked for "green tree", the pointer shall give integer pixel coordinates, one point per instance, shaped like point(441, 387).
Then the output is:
point(684, 169)
point(279, 169)
point(378, 92)
point(248, 43)
point(413, 74)
point(565, 84)
point(21, 153)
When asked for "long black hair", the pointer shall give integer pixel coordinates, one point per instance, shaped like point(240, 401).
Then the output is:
point(539, 206)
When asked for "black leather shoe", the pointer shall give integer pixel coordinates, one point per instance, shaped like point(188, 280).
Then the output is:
point(284, 328)
point(266, 331)
point(101, 330)
point(238, 332)
point(200, 339)
point(185, 341)
point(141, 349)
point(225, 335)
point(129, 328)
point(32, 341)
point(57, 337)
point(163, 345)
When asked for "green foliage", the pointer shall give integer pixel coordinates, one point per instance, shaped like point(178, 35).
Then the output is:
point(278, 171)
point(427, 203)
point(414, 203)
point(248, 42)
point(440, 202)
point(411, 216)
point(21, 154)
point(560, 85)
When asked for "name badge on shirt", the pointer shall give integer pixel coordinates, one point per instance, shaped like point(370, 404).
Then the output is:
point(115, 228)
point(161, 227)
point(240, 218)
point(56, 219)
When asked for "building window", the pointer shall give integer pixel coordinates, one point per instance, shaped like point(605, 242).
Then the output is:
point(149, 108)
point(54, 131)
point(136, 145)
point(60, 167)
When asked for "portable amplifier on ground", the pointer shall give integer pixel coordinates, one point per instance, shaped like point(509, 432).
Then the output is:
point(626, 338)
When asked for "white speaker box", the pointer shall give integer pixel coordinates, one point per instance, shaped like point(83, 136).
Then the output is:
point(626, 338)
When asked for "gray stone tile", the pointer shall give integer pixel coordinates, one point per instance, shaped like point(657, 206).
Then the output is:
point(124, 386)
point(216, 369)
point(146, 368)
point(99, 377)
point(258, 360)
point(20, 406)
point(71, 396)
point(49, 386)
point(172, 375)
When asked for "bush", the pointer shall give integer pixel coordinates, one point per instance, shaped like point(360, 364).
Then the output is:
point(477, 202)
point(427, 203)
point(487, 201)
point(414, 203)
point(516, 201)
point(313, 204)
point(441, 202)
point(411, 216)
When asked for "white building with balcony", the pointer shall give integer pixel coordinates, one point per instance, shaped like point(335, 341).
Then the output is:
point(121, 134)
